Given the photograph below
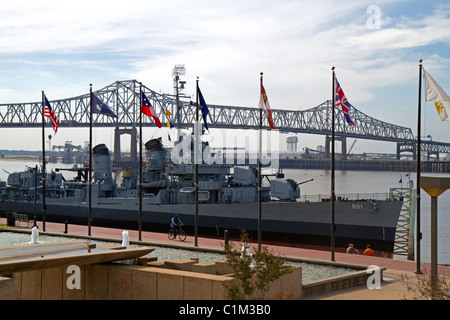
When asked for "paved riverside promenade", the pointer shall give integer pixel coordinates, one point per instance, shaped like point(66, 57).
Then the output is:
point(392, 287)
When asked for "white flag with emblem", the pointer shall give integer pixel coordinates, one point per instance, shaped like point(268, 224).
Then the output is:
point(441, 99)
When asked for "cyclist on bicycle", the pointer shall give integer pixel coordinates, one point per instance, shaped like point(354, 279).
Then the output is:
point(175, 223)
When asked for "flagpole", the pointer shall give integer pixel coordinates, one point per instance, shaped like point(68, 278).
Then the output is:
point(259, 174)
point(332, 166)
point(196, 137)
point(140, 163)
point(419, 234)
point(90, 162)
point(43, 162)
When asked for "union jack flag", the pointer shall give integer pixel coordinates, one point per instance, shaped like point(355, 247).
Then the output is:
point(342, 101)
point(48, 112)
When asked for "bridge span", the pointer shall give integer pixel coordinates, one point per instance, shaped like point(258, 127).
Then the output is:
point(123, 98)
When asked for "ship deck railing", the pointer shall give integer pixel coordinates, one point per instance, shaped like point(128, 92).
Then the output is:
point(346, 197)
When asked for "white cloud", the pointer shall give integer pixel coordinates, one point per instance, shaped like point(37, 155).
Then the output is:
point(67, 45)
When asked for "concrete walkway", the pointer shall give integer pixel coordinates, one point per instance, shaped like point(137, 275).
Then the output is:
point(392, 287)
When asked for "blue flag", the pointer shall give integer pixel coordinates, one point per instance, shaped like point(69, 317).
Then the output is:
point(203, 108)
point(98, 106)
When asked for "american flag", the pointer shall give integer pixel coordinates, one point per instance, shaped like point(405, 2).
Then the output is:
point(51, 114)
point(342, 101)
point(167, 101)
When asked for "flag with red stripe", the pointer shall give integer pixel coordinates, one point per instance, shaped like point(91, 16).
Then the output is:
point(50, 113)
point(265, 105)
point(341, 100)
point(148, 110)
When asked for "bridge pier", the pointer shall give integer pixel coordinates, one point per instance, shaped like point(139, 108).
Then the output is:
point(343, 146)
point(133, 143)
point(429, 153)
point(411, 146)
point(406, 147)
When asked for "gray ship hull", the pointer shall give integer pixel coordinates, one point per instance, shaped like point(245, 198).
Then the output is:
point(227, 201)
point(302, 224)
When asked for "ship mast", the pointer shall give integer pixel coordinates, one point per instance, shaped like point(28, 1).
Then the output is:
point(177, 71)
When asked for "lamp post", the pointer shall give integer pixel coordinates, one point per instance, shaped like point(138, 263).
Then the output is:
point(434, 186)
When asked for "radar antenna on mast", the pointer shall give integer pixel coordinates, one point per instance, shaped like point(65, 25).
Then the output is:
point(177, 71)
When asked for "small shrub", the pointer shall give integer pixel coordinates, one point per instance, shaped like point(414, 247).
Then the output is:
point(254, 271)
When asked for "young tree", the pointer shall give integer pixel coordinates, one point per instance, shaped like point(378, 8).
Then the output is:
point(254, 271)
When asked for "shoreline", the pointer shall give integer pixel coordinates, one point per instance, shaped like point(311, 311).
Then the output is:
point(24, 158)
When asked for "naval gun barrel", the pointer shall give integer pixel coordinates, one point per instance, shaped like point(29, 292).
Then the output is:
point(299, 183)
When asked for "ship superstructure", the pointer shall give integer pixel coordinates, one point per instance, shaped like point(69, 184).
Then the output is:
point(228, 200)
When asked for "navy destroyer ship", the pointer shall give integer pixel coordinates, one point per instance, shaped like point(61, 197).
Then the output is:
point(228, 200)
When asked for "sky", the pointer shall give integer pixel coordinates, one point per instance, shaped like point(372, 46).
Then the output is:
point(60, 47)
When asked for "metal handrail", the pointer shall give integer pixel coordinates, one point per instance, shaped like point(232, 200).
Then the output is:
point(345, 197)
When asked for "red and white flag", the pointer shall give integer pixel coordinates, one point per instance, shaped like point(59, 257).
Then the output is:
point(148, 110)
point(265, 105)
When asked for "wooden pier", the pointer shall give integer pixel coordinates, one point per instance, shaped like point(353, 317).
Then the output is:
point(430, 166)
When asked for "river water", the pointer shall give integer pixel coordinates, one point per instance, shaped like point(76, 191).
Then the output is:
point(356, 182)
point(346, 182)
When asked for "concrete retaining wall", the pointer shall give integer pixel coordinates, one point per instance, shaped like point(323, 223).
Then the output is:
point(336, 283)
point(174, 280)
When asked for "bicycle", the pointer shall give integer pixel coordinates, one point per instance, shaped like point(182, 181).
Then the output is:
point(180, 233)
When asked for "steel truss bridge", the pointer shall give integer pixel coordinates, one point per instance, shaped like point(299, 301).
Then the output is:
point(123, 98)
